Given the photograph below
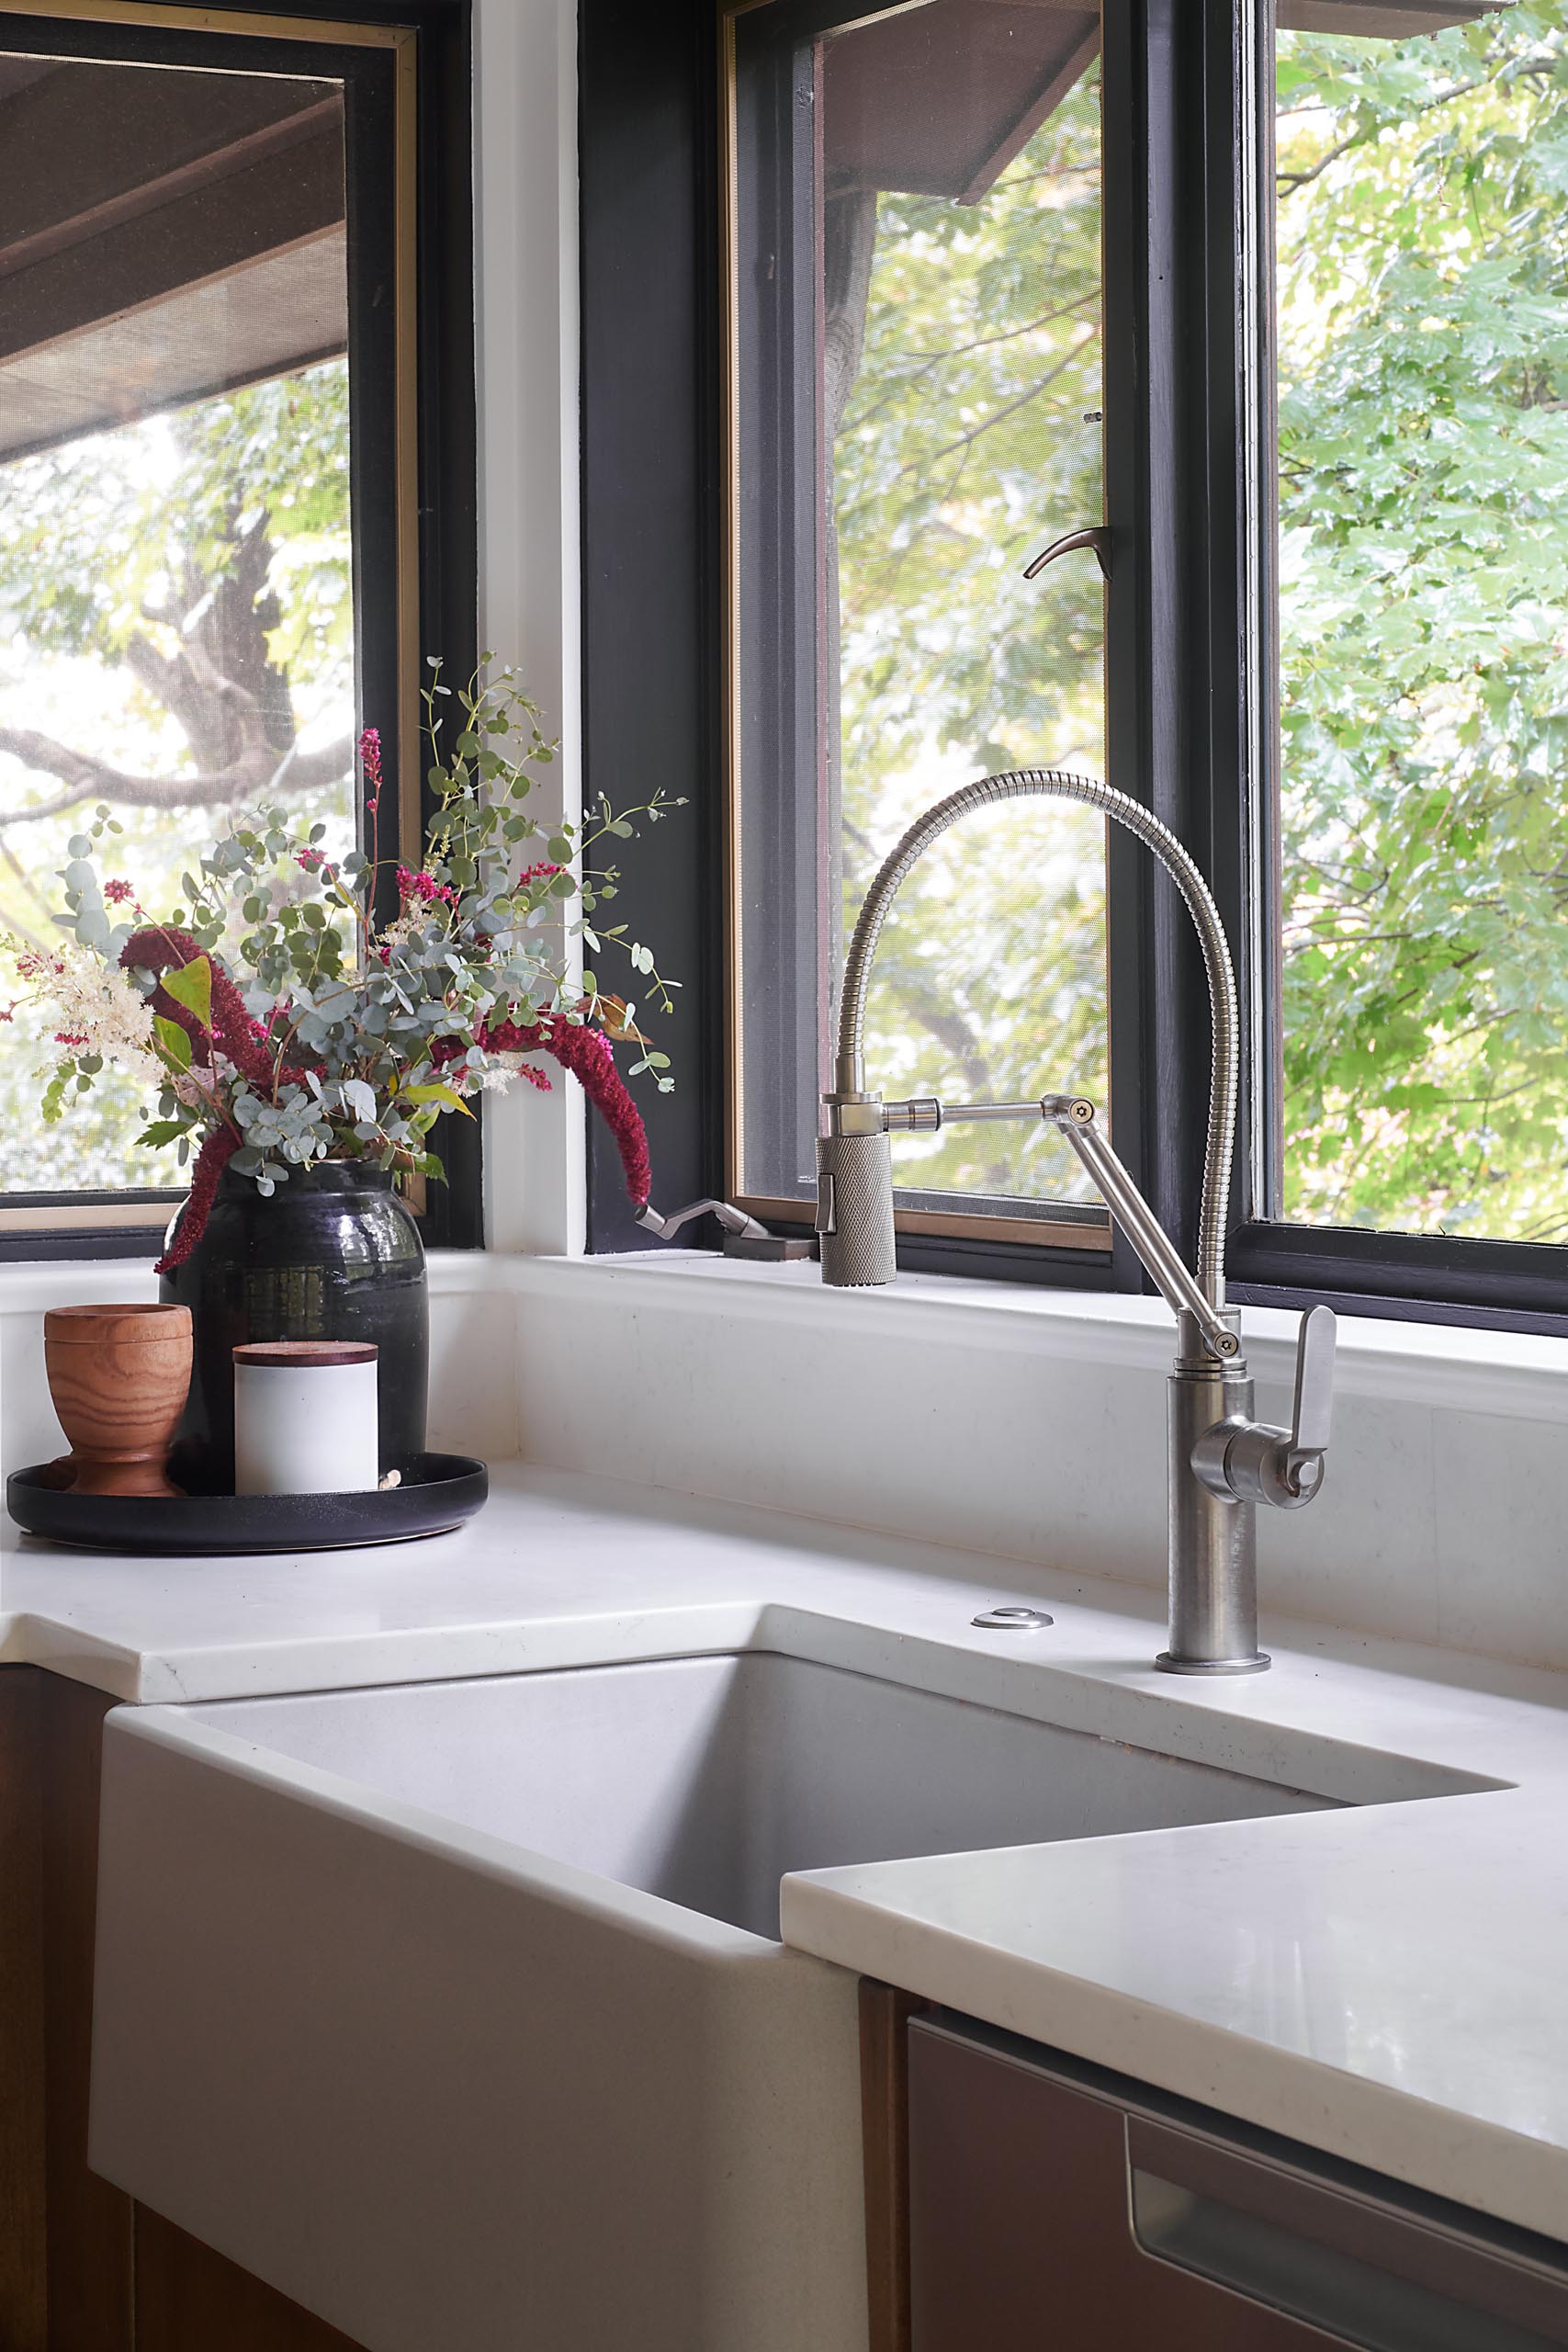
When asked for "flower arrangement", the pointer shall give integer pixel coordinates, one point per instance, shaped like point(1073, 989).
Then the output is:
point(356, 998)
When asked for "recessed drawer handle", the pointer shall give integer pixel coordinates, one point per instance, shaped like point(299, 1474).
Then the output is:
point(1353, 2300)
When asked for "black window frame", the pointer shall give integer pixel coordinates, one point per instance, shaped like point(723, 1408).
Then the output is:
point(1191, 673)
point(444, 424)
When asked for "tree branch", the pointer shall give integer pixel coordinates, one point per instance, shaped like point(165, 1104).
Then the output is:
point(926, 360)
point(83, 777)
point(966, 441)
point(1287, 183)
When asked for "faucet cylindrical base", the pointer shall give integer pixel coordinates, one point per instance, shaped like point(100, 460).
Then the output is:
point(1168, 1663)
point(1213, 1540)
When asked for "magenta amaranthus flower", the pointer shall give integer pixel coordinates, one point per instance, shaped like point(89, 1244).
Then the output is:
point(219, 1146)
point(589, 1056)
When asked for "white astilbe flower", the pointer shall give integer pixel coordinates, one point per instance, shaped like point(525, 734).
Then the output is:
point(97, 1010)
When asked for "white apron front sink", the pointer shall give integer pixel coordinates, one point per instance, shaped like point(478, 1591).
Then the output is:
point(456, 2010)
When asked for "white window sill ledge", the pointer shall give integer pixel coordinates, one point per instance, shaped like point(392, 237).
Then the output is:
point(1517, 1375)
point(29, 1287)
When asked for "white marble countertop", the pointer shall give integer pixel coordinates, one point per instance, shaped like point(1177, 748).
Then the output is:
point(1388, 1982)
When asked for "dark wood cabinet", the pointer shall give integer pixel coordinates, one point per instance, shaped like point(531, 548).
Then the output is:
point(81, 2268)
point(1051, 2210)
point(23, 2141)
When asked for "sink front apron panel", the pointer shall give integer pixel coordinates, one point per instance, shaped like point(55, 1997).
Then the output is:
point(455, 2010)
point(456, 2098)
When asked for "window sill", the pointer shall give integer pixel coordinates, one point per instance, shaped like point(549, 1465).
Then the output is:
point(1516, 1376)
point(35, 1285)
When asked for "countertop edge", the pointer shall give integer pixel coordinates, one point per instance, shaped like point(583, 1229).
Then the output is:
point(1444, 2151)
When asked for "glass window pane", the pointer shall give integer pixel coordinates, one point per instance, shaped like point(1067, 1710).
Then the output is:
point(177, 612)
point(1422, 221)
point(920, 362)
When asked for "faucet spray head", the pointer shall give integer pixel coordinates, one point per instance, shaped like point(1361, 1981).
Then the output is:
point(854, 1195)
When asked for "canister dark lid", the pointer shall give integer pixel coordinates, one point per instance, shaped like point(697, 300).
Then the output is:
point(303, 1354)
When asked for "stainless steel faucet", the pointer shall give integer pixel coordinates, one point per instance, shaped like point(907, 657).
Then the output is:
point(1221, 1463)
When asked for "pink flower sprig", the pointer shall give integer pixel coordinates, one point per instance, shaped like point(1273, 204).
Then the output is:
point(119, 892)
point(540, 872)
point(370, 761)
point(424, 887)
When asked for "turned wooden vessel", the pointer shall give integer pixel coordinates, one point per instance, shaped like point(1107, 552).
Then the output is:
point(119, 1377)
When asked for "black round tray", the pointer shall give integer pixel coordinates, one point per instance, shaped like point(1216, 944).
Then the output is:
point(439, 1492)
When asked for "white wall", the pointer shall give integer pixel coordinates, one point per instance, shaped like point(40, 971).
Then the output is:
point(1029, 1425)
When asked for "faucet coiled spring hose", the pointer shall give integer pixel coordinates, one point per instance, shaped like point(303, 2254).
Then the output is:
point(1056, 784)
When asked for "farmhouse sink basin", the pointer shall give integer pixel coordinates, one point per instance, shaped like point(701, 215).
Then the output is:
point(456, 2010)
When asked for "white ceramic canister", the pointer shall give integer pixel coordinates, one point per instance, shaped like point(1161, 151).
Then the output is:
point(305, 1419)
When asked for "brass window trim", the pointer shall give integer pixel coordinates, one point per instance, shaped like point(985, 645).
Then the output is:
point(1027, 1232)
point(404, 41)
point(153, 1210)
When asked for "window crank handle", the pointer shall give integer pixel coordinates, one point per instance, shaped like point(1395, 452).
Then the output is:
point(1096, 537)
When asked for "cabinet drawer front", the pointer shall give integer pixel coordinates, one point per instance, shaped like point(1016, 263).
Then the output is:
point(1044, 2217)
point(1384, 2278)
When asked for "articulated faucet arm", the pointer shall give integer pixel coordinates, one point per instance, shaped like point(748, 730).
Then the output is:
point(1073, 1116)
point(1161, 1260)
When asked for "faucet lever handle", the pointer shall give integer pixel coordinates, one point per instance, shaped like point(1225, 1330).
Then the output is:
point(1254, 1461)
point(1314, 1382)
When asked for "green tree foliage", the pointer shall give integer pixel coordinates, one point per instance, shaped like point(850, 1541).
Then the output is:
point(176, 641)
point(968, 438)
point(1423, 274)
point(1423, 239)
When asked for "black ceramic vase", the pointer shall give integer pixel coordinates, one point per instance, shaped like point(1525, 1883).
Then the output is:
point(333, 1254)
